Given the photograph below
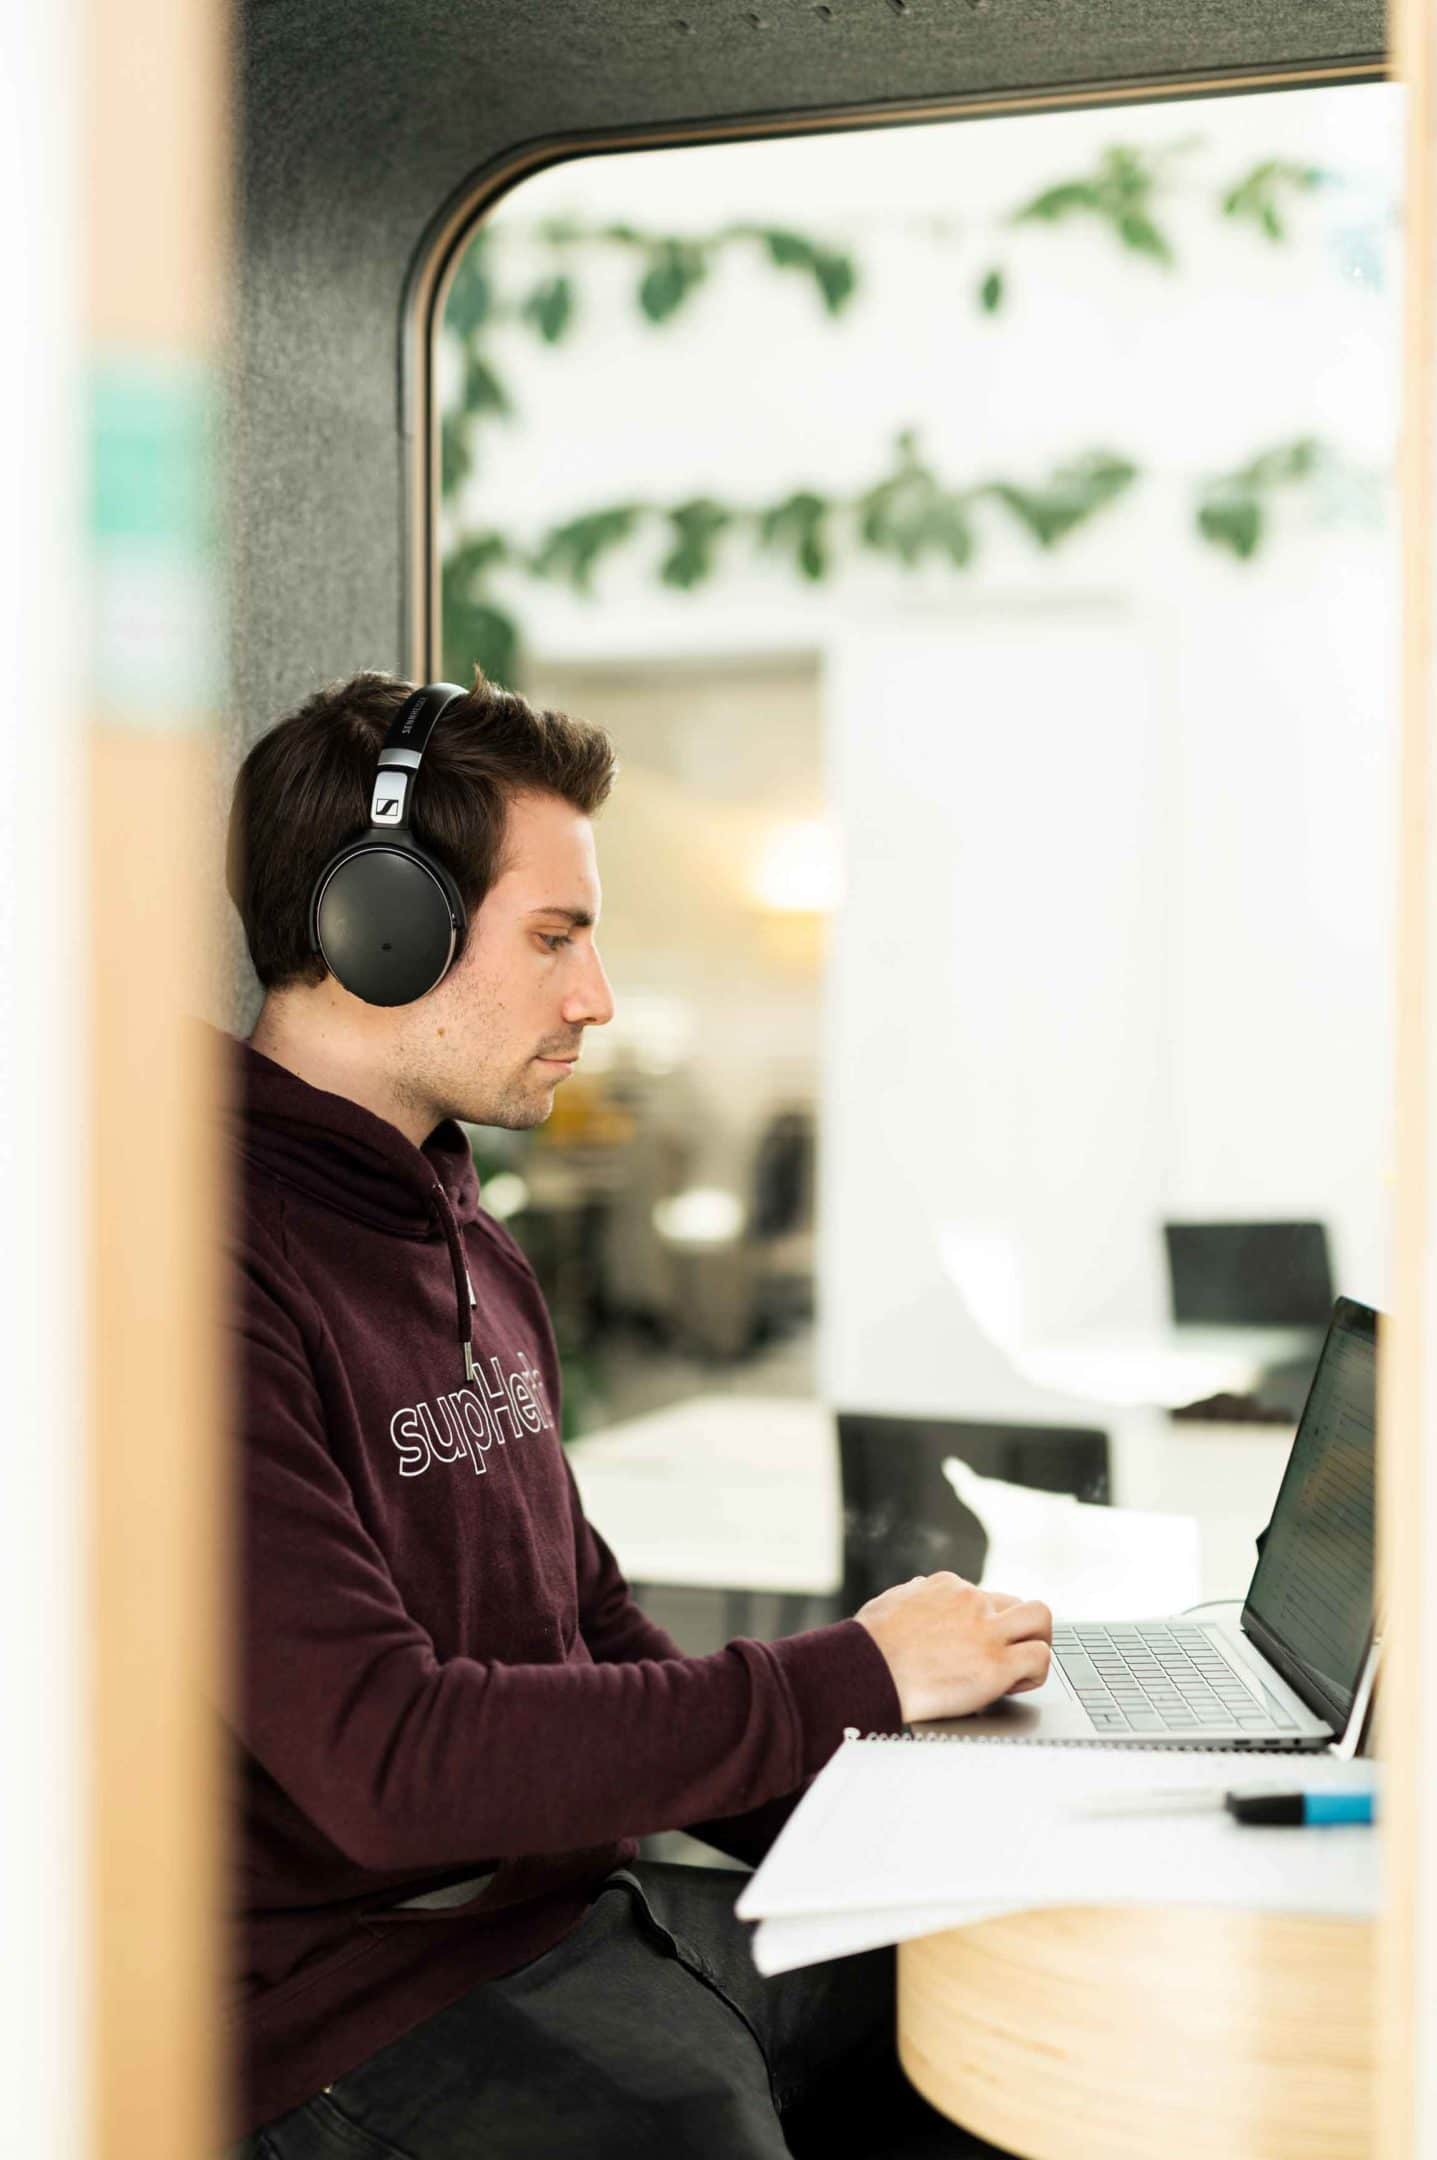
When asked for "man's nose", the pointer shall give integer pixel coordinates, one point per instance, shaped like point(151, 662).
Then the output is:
point(591, 1002)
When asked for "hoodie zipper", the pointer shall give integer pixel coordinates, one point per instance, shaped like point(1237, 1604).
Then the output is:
point(464, 1298)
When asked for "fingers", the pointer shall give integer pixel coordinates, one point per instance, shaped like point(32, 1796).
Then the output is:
point(1029, 1620)
point(1031, 1661)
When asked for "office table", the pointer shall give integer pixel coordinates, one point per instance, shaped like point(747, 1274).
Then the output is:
point(741, 1493)
point(720, 1492)
point(1125, 2033)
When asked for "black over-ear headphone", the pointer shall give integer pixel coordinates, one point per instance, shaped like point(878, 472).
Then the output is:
point(385, 918)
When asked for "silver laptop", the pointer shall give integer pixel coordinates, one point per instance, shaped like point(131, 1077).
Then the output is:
point(1293, 1668)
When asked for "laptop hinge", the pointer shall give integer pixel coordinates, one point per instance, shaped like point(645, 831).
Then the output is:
point(1297, 1677)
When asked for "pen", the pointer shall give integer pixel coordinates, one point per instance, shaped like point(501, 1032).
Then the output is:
point(1266, 1806)
point(1246, 1804)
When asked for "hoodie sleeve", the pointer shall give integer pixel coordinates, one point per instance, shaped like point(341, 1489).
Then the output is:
point(616, 1628)
point(404, 1760)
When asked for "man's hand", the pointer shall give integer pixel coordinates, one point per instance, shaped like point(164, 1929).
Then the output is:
point(953, 1648)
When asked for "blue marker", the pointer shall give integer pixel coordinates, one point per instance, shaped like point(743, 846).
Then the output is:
point(1301, 1807)
point(1246, 1804)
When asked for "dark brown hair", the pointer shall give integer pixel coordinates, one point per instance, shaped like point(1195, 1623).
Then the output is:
point(303, 792)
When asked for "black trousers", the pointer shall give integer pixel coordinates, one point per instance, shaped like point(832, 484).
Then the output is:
point(646, 2032)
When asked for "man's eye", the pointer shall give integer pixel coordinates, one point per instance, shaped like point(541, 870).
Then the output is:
point(554, 940)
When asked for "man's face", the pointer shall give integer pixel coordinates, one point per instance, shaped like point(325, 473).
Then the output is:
point(496, 1038)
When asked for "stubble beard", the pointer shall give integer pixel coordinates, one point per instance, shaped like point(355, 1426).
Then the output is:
point(517, 1104)
point(517, 1108)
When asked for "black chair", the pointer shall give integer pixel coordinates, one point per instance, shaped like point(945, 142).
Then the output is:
point(901, 1517)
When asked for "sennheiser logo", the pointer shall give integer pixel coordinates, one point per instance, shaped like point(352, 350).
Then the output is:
point(387, 801)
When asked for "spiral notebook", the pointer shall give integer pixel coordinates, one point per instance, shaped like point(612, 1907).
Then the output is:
point(890, 1842)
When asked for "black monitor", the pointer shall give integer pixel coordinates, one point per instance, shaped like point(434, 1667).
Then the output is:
point(1249, 1274)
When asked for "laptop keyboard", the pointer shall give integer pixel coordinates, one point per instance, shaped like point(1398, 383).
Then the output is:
point(1161, 1677)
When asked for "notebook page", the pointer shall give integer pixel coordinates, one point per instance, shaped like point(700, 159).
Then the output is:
point(886, 1825)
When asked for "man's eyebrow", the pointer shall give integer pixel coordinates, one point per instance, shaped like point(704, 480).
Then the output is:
point(577, 918)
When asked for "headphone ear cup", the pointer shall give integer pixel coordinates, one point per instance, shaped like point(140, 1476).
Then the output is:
point(387, 922)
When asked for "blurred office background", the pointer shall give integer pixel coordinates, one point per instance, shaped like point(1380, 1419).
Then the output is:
point(980, 542)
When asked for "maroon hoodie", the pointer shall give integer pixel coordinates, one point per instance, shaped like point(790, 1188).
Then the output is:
point(442, 1673)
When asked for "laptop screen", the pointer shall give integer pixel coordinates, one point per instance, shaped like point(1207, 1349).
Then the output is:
point(1309, 1606)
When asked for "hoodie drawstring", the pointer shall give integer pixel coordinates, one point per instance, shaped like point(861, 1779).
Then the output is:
point(464, 1297)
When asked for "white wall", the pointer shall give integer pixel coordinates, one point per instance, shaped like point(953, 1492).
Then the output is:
point(994, 1070)
point(1106, 958)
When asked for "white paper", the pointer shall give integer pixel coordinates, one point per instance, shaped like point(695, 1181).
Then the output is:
point(898, 1837)
point(780, 1945)
point(1088, 1563)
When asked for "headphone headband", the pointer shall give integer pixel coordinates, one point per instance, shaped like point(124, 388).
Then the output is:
point(401, 751)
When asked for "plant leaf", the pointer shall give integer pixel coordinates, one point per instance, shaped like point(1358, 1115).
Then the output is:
point(836, 275)
point(550, 307)
point(798, 523)
point(1060, 202)
point(696, 528)
point(1138, 232)
point(456, 455)
point(991, 292)
point(1234, 523)
point(474, 628)
point(483, 391)
point(788, 250)
point(473, 557)
point(570, 552)
point(475, 632)
point(1073, 495)
point(675, 269)
point(471, 296)
point(1256, 197)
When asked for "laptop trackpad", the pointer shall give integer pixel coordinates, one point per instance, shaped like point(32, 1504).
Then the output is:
point(1045, 1713)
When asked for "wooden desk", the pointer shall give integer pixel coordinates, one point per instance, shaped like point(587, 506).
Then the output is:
point(1125, 2033)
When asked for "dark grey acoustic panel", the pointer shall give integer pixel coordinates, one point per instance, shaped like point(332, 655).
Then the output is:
point(358, 123)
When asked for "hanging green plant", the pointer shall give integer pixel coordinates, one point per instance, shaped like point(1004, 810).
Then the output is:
point(909, 515)
point(676, 269)
point(1074, 493)
point(1258, 198)
point(695, 527)
point(1120, 193)
point(472, 626)
point(549, 306)
point(471, 293)
point(1123, 191)
point(569, 552)
point(799, 524)
point(1233, 509)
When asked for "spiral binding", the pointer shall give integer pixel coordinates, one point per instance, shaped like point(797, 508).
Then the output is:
point(1149, 1747)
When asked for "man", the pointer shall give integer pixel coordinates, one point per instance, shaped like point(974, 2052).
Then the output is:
point(453, 1719)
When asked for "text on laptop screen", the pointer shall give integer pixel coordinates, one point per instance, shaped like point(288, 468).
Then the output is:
point(1312, 1589)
